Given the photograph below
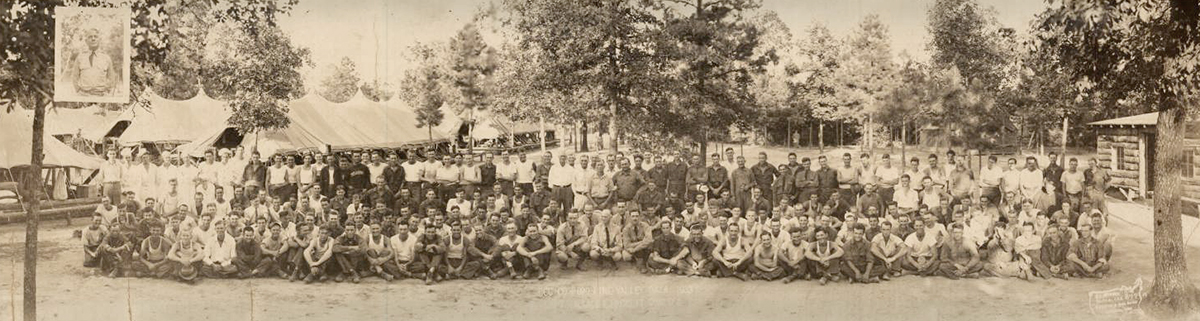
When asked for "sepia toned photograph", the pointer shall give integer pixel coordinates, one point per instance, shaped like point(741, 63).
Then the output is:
point(600, 160)
point(92, 55)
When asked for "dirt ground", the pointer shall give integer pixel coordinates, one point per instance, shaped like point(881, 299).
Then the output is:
point(67, 291)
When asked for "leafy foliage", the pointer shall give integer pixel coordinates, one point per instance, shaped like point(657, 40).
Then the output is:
point(342, 81)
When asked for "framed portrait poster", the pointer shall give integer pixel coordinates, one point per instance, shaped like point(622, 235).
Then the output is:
point(91, 54)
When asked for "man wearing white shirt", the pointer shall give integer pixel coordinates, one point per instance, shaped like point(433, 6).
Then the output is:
point(1011, 180)
point(471, 177)
point(907, 200)
point(230, 175)
point(581, 183)
point(219, 253)
point(1031, 178)
point(990, 179)
point(144, 176)
point(413, 171)
point(506, 174)
point(206, 178)
point(376, 166)
point(560, 181)
point(526, 173)
point(447, 176)
point(921, 258)
point(887, 176)
point(110, 175)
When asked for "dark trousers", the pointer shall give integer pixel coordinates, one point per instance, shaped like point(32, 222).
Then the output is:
point(725, 271)
point(564, 195)
point(886, 193)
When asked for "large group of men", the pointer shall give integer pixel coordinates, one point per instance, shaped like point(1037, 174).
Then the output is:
point(399, 215)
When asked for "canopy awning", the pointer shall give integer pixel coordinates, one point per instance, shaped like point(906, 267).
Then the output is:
point(16, 141)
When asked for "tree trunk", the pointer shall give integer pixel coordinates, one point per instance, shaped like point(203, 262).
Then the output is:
point(789, 132)
point(32, 197)
point(471, 131)
point(821, 137)
point(1173, 295)
point(903, 144)
point(583, 139)
point(542, 132)
point(1066, 122)
point(704, 148)
point(612, 125)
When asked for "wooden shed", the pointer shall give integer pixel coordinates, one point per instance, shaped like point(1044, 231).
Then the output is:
point(1126, 146)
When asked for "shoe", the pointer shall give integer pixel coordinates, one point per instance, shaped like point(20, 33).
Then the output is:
point(294, 277)
point(873, 280)
point(579, 267)
point(741, 276)
point(429, 280)
point(339, 278)
point(541, 275)
point(386, 277)
point(823, 280)
point(354, 278)
point(789, 279)
point(309, 279)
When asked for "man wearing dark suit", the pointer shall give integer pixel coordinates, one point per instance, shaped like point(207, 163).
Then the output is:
point(332, 176)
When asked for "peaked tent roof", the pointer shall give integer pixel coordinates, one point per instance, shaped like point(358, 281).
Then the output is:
point(16, 137)
point(173, 121)
point(69, 121)
point(391, 123)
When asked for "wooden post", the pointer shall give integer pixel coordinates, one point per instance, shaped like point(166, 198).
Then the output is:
point(1143, 173)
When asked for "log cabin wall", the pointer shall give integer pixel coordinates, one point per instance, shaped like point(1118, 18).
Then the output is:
point(1119, 150)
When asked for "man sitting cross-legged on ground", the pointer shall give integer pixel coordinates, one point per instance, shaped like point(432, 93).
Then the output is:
point(792, 252)
point(921, 254)
point(459, 263)
point(731, 254)
point(377, 253)
point(349, 254)
point(534, 251)
point(825, 257)
point(507, 247)
point(403, 263)
point(220, 251)
point(637, 239)
point(889, 251)
point(766, 265)
point(1053, 256)
point(274, 249)
point(186, 256)
point(959, 257)
point(667, 251)
point(318, 254)
point(250, 260)
point(431, 252)
point(699, 261)
point(116, 253)
point(152, 259)
point(860, 263)
point(606, 241)
point(1088, 255)
point(483, 249)
point(297, 247)
point(572, 241)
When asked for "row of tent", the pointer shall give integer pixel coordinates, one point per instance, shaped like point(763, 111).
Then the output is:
point(200, 122)
point(316, 124)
